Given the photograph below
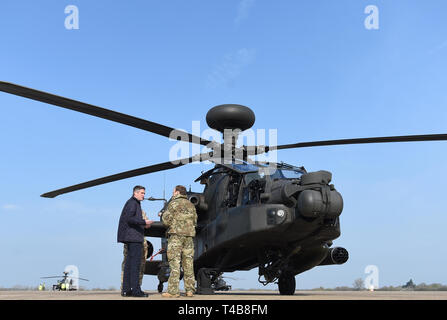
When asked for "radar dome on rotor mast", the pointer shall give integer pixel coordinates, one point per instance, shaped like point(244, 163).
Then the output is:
point(230, 116)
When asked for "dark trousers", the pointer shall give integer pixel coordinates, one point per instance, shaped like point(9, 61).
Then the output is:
point(132, 267)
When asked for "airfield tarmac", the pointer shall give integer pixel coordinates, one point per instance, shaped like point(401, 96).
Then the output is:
point(233, 295)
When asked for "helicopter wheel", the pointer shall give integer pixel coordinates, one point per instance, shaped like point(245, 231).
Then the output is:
point(160, 287)
point(286, 284)
point(150, 249)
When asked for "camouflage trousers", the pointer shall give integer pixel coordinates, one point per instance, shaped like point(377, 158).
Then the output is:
point(181, 248)
point(143, 263)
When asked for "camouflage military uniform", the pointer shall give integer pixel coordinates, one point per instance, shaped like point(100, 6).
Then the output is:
point(181, 219)
point(143, 257)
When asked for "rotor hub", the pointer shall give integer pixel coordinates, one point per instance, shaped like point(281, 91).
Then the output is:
point(230, 116)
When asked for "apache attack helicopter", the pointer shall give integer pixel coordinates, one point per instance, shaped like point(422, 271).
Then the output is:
point(66, 282)
point(274, 216)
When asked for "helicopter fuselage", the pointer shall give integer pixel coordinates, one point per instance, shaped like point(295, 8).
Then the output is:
point(257, 217)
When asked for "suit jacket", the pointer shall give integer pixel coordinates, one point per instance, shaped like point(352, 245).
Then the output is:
point(131, 224)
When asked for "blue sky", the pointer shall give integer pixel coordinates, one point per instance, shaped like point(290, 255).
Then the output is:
point(309, 69)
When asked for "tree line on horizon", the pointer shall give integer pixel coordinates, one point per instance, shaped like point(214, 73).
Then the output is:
point(358, 285)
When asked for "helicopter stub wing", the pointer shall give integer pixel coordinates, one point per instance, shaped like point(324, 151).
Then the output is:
point(156, 230)
point(152, 267)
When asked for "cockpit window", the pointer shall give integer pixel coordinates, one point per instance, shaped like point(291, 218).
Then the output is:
point(249, 177)
point(291, 174)
point(272, 172)
point(280, 173)
point(258, 171)
point(243, 167)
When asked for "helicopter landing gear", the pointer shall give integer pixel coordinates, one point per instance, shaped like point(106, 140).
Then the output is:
point(286, 284)
point(204, 281)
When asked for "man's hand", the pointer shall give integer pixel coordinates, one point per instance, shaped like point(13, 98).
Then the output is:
point(162, 211)
point(148, 223)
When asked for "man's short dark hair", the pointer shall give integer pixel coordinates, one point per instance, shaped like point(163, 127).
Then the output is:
point(181, 189)
point(138, 188)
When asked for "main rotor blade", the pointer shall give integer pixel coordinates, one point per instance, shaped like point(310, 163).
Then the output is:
point(78, 278)
point(427, 137)
point(93, 110)
point(128, 174)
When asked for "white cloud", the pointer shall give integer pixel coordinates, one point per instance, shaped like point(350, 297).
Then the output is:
point(438, 47)
point(243, 10)
point(67, 207)
point(231, 67)
point(10, 207)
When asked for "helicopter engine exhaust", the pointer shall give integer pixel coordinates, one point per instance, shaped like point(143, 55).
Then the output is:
point(319, 197)
point(337, 255)
point(312, 195)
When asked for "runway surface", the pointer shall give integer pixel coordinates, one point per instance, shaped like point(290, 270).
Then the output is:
point(232, 295)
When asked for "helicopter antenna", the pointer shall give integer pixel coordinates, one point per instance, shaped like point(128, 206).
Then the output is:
point(164, 184)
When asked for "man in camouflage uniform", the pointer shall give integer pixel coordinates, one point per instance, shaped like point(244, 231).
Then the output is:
point(181, 220)
point(143, 257)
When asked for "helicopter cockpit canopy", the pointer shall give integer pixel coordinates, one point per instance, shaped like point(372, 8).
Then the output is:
point(240, 168)
point(283, 171)
point(257, 170)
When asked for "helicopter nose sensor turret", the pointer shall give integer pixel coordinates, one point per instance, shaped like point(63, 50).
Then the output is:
point(230, 116)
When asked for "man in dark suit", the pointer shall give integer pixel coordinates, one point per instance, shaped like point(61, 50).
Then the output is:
point(131, 232)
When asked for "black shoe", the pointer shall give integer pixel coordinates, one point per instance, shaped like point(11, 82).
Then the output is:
point(126, 293)
point(140, 294)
